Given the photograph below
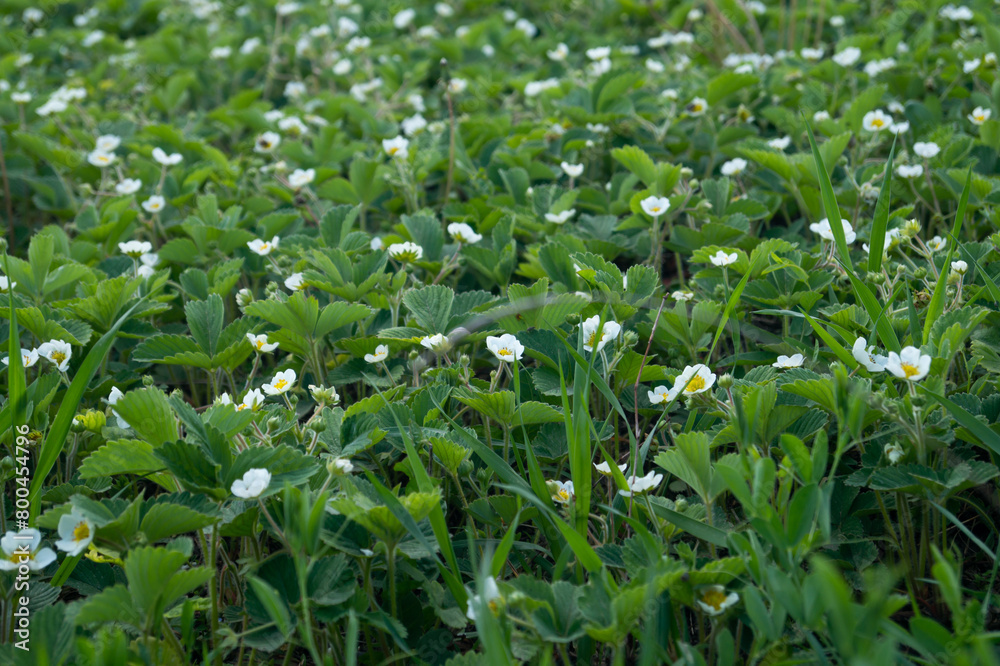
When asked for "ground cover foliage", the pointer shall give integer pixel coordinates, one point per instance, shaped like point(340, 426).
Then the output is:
point(352, 332)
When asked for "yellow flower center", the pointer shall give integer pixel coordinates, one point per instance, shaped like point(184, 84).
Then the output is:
point(260, 344)
point(26, 359)
point(910, 370)
point(877, 122)
point(663, 395)
point(504, 352)
point(81, 532)
point(265, 246)
point(393, 150)
point(714, 598)
point(280, 384)
point(696, 107)
point(17, 556)
point(592, 339)
point(655, 209)
point(563, 495)
point(696, 384)
point(58, 357)
point(240, 408)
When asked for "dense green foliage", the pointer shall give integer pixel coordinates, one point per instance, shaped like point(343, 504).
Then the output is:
point(616, 332)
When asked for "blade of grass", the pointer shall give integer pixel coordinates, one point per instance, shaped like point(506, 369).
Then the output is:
point(58, 431)
point(731, 305)
point(991, 285)
point(695, 528)
point(829, 201)
point(503, 470)
point(936, 306)
point(503, 550)
point(846, 357)
point(965, 530)
point(881, 220)
point(17, 385)
point(587, 556)
point(578, 437)
point(437, 518)
point(980, 430)
point(882, 326)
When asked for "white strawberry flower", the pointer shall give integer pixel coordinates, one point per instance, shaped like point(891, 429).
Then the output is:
point(154, 204)
point(437, 342)
point(734, 167)
point(381, 353)
point(281, 384)
point(22, 548)
point(100, 159)
point(107, 142)
point(876, 121)
point(721, 258)
point(638, 485)
point(128, 186)
point(609, 331)
point(793, 361)
point(295, 282)
point(406, 252)
point(505, 347)
point(693, 380)
point(865, 355)
point(301, 177)
point(909, 364)
point(113, 398)
point(267, 142)
point(262, 247)
point(894, 452)
point(697, 107)
point(252, 401)
point(562, 491)
point(163, 158)
point(76, 532)
point(980, 115)
point(57, 352)
point(561, 217)
point(825, 231)
point(655, 206)
point(463, 233)
point(5, 284)
point(605, 469)
point(135, 249)
point(252, 485)
point(659, 395)
point(713, 599)
point(926, 149)
point(29, 357)
point(571, 170)
point(260, 343)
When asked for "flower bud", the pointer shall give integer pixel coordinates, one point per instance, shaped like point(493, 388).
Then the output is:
point(147, 380)
point(630, 339)
point(726, 381)
point(413, 355)
point(681, 504)
point(687, 172)
point(273, 423)
point(94, 420)
point(244, 297)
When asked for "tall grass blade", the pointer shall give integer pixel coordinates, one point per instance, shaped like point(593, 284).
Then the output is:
point(58, 431)
point(936, 306)
point(880, 222)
